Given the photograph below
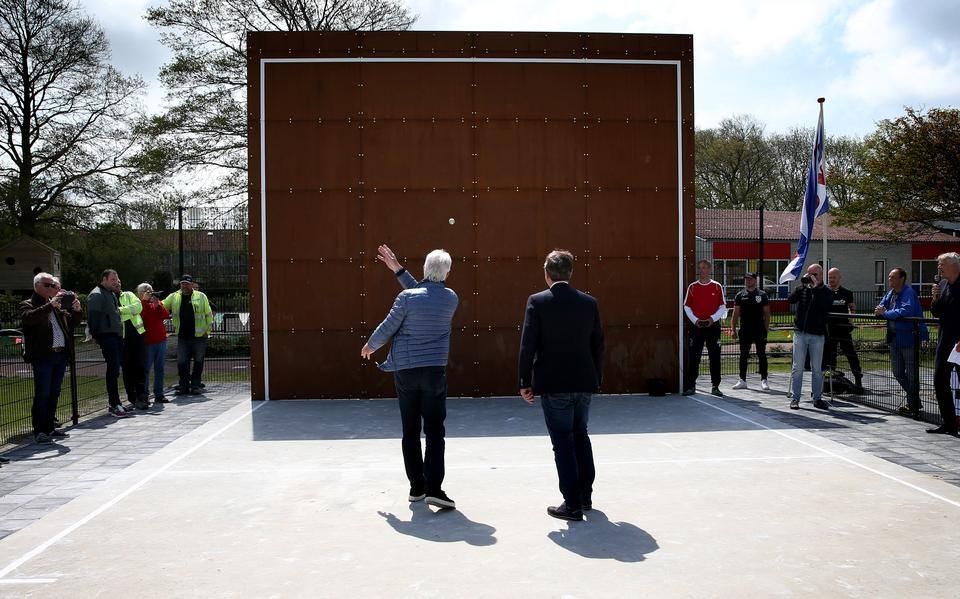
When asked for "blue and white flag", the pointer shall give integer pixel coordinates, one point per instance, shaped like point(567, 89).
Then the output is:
point(815, 203)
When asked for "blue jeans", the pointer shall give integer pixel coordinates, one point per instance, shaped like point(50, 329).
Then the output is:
point(188, 348)
point(47, 379)
point(904, 364)
point(422, 393)
point(111, 346)
point(566, 415)
point(156, 355)
point(804, 343)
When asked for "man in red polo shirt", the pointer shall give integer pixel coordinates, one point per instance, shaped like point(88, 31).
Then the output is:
point(705, 306)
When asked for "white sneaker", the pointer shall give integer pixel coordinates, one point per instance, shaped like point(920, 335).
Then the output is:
point(764, 385)
point(741, 384)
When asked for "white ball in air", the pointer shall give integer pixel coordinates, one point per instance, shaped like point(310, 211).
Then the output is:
point(451, 221)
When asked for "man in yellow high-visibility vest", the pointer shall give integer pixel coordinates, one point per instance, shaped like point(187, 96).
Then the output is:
point(192, 319)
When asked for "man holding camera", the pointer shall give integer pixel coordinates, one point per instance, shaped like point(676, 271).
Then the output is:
point(814, 301)
point(48, 317)
point(751, 308)
point(840, 329)
point(705, 306)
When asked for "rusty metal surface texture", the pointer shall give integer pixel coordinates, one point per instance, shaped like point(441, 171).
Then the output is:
point(496, 147)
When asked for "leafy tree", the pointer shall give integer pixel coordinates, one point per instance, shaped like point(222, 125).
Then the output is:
point(205, 127)
point(733, 164)
point(65, 114)
point(911, 173)
point(844, 167)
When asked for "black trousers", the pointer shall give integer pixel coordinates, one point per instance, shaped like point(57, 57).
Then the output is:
point(698, 337)
point(842, 340)
point(134, 367)
point(941, 383)
point(757, 339)
point(111, 346)
point(422, 393)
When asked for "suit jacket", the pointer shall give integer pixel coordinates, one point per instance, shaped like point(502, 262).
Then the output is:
point(561, 346)
point(38, 330)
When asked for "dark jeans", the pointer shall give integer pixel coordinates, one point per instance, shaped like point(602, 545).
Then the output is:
point(188, 348)
point(941, 383)
point(111, 346)
point(422, 393)
point(696, 339)
point(904, 364)
point(566, 415)
point(134, 359)
point(757, 339)
point(843, 340)
point(47, 379)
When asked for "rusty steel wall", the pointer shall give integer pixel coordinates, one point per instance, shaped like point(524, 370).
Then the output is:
point(524, 157)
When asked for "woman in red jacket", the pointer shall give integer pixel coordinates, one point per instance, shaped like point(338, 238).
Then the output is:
point(155, 338)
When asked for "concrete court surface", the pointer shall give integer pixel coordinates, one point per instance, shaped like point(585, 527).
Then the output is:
point(694, 498)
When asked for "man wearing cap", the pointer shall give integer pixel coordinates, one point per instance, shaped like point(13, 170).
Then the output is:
point(192, 318)
point(752, 310)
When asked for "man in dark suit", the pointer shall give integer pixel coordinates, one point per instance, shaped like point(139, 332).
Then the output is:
point(48, 319)
point(561, 359)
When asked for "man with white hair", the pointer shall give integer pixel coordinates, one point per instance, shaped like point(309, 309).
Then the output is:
point(48, 318)
point(946, 307)
point(419, 323)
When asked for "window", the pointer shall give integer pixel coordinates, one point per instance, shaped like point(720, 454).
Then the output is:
point(771, 277)
point(880, 275)
point(922, 273)
point(730, 273)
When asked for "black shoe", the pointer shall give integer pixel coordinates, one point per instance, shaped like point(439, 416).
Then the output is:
point(43, 438)
point(416, 495)
point(942, 430)
point(562, 512)
point(160, 399)
point(689, 391)
point(821, 404)
point(196, 391)
point(915, 414)
point(858, 388)
point(180, 391)
point(4, 460)
point(440, 500)
point(715, 390)
point(59, 434)
point(587, 506)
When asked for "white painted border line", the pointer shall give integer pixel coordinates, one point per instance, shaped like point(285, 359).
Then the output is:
point(57, 537)
point(361, 59)
point(832, 454)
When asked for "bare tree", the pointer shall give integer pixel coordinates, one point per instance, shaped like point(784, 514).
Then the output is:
point(205, 126)
point(65, 136)
point(733, 165)
point(790, 158)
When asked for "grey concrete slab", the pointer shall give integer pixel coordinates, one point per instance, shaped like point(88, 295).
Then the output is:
point(695, 497)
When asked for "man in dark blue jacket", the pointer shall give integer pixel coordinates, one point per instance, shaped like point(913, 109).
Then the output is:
point(946, 307)
point(901, 301)
point(561, 359)
point(419, 325)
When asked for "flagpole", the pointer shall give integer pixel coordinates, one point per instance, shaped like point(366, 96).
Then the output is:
point(826, 267)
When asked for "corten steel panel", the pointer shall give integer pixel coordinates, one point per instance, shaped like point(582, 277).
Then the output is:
point(416, 154)
point(529, 91)
point(649, 93)
point(328, 155)
point(617, 277)
point(581, 185)
point(528, 224)
point(308, 364)
point(529, 154)
point(320, 295)
point(635, 355)
point(312, 91)
point(638, 154)
point(442, 90)
point(308, 238)
point(633, 223)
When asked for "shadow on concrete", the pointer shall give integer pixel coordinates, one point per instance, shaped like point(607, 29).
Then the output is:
point(443, 526)
point(501, 417)
point(599, 538)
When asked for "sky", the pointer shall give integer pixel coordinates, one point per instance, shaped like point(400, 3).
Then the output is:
point(771, 59)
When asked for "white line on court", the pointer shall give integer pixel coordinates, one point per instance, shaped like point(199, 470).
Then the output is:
point(57, 537)
point(832, 454)
point(391, 468)
point(28, 581)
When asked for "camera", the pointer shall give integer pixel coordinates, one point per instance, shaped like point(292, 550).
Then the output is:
point(806, 280)
point(66, 300)
point(156, 294)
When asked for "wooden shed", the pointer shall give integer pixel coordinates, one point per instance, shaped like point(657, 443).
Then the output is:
point(21, 259)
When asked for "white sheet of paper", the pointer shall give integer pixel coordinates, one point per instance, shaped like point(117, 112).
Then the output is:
point(954, 356)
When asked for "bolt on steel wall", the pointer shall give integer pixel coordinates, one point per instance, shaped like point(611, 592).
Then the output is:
point(495, 147)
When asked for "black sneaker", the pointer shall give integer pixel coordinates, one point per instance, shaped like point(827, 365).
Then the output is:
point(196, 390)
point(820, 404)
point(716, 391)
point(161, 399)
point(440, 500)
point(689, 391)
point(416, 495)
point(59, 434)
point(564, 513)
point(43, 438)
